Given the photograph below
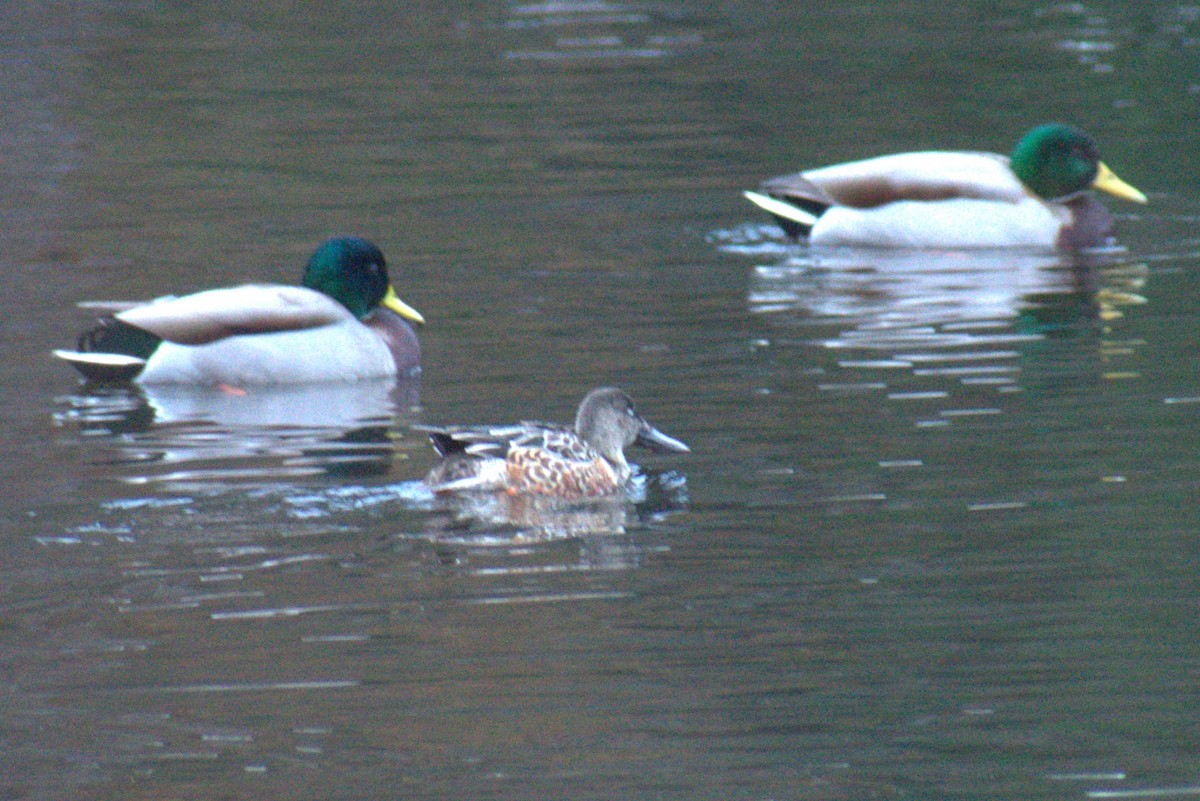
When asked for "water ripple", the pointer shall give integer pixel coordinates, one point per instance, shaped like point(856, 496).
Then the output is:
point(600, 31)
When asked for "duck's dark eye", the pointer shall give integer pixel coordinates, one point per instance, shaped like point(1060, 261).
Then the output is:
point(375, 271)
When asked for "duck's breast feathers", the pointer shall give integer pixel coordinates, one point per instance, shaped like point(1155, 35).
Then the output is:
point(924, 176)
point(216, 314)
point(1090, 224)
point(398, 335)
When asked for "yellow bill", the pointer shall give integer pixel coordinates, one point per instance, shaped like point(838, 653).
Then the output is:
point(1107, 181)
point(392, 301)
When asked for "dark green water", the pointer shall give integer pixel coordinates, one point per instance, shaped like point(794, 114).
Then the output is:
point(937, 536)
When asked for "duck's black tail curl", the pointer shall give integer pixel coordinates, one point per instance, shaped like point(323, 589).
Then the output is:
point(114, 336)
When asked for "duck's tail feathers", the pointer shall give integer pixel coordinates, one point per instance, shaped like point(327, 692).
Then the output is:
point(112, 351)
point(464, 474)
point(469, 484)
point(794, 220)
point(103, 367)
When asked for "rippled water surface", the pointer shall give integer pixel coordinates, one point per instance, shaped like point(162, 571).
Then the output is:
point(937, 535)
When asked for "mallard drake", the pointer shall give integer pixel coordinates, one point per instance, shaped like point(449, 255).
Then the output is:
point(345, 322)
point(1037, 197)
point(585, 461)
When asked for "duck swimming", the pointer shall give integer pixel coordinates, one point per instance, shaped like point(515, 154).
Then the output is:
point(1037, 197)
point(584, 461)
point(344, 322)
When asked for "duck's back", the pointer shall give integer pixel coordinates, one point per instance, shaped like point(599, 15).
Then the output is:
point(924, 176)
point(211, 315)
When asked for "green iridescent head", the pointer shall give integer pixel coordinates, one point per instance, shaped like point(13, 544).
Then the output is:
point(1055, 161)
point(352, 271)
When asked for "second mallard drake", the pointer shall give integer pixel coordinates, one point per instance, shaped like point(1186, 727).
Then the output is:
point(585, 461)
point(344, 323)
point(1035, 198)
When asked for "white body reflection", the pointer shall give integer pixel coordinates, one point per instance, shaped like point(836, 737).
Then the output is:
point(529, 517)
point(319, 405)
point(211, 436)
point(895, 301)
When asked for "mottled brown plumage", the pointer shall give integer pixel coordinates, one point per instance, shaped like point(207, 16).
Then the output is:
point(548, 471)
point(585, 461)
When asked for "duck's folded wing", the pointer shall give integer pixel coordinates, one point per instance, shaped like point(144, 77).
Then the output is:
point(472, 441)
point(564, 443)
point(219, 313)
point(111, 307)
point(925, 176)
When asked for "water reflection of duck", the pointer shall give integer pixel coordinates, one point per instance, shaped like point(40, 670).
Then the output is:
point(970, 315)
point(189, 433)
point(1037, 197)
point(585, 461)
point(331, 405)
point(344, 323)
point(883, 294)
point(504, 518)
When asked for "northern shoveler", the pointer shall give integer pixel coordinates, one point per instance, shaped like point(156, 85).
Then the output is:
point(1035, 198)
point(344, 323)
point(586, 461)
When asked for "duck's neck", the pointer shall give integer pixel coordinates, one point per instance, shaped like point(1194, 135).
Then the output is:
point(611, 451)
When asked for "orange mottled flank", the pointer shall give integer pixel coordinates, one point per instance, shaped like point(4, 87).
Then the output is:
point(539, 470)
